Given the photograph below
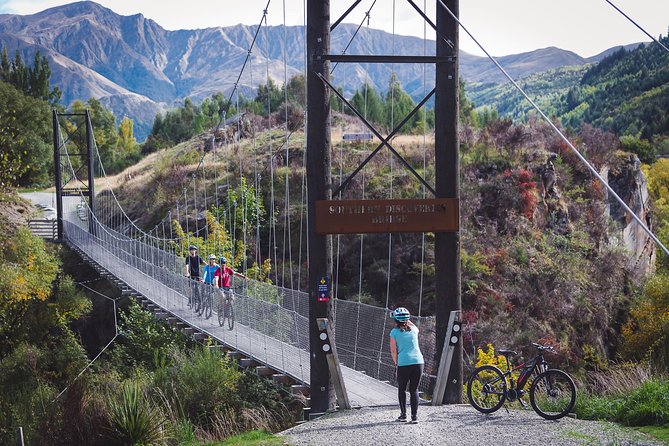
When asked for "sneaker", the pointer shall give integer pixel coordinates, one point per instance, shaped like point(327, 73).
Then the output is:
point(402, 418)
point(414, 420)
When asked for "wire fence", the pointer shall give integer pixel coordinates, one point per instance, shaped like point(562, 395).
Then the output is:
point(271, 322)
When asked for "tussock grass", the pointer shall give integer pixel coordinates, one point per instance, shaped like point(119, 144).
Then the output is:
point(629, 394)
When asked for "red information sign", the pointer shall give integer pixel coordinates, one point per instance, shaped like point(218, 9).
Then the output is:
point(371, 216)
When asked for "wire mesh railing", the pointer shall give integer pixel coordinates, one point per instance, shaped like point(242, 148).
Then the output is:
point(271, 322)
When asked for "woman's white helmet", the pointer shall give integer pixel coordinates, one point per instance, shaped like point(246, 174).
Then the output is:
point(401, 314)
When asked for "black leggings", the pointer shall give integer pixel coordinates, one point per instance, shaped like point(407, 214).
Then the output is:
point(409, 374)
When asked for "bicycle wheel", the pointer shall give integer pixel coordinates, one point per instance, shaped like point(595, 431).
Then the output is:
point(553, 394)
point(486, 389)
point(221, 314)
point(206, 307)
point(231, 316)
point(197, 303)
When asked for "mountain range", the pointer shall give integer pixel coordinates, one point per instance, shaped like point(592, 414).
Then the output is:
point(137, 68)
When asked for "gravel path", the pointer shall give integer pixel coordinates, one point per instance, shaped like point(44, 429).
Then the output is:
point(459, 425)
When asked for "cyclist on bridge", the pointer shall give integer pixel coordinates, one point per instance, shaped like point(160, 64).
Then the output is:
point(193, 262)
point(409, 361)
point(223, 279)
point(210, 270)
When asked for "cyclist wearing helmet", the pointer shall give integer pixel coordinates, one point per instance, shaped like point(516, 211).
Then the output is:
point(210, 270)
point(223, 278)
point(193, 262)
point(409, 361)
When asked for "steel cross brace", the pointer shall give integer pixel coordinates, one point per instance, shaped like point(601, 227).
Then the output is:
point(384, 141)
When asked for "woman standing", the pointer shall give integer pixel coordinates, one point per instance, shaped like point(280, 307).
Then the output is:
point(409, 361)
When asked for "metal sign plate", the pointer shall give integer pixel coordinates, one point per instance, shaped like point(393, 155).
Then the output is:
point(323, 290)
point(383, 216)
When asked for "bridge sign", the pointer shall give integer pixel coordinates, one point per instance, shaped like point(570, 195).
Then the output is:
point(383, 216)
point(323, 291)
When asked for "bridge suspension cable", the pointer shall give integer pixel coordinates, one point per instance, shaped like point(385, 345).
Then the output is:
point(637, 25)
point(557, 131)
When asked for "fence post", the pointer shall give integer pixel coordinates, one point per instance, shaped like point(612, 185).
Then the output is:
point(446, 358)
point(330, 350)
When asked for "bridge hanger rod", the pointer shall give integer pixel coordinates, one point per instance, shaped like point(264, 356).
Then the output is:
point(431, 23)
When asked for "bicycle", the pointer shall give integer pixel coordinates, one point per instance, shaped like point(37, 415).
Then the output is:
point(194, 294)
point(552, 393)
point(204, 308)
point(226, 310)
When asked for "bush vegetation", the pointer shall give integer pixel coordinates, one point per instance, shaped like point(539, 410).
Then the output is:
point(152, 386)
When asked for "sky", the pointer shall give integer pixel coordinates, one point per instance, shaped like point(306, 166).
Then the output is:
point(586, 27)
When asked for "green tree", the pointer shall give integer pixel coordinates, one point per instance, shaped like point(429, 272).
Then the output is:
point(4, 66)
point(642, 147)
point(398, 105)
point(34, 81)
point(297, 90)
point(25, 139)
point(368, 102)
point(269, 97)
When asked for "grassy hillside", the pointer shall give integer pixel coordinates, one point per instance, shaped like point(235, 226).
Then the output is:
point(546, 89)
point(627, 93)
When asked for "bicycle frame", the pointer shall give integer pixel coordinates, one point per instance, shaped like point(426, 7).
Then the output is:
point(537, 363)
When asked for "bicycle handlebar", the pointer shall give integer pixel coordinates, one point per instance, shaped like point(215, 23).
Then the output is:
point(547, 348)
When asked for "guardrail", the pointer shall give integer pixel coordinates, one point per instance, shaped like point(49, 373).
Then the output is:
point(45, 228)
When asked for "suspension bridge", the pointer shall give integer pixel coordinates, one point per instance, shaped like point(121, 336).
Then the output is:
point(275, 327)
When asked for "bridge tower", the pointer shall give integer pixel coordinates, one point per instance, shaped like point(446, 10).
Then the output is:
point(447, 184)
point(84, 143)
point(319, 184)
point(319, 187)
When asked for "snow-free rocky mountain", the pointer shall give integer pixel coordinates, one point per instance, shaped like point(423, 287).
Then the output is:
point(137, 68)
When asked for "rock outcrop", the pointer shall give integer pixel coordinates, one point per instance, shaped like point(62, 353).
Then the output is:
point(557, 212)
point(625, 177)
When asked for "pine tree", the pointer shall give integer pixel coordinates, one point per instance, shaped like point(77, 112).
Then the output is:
point(398, 105)
point(33, 81)
point(4, 66)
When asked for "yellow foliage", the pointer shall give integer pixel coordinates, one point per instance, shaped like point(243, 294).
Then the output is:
point(489, 358)
point(648, 324)
point(27, 270)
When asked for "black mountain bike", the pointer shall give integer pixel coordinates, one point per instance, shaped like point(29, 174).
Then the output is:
point(204, 308)
point(194, 295)
point(552, 393)
point(226, 310)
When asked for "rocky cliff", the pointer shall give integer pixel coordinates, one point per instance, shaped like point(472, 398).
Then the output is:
point(624, 175)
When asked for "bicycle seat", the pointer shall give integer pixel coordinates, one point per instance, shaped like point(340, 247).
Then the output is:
point(507, 352)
